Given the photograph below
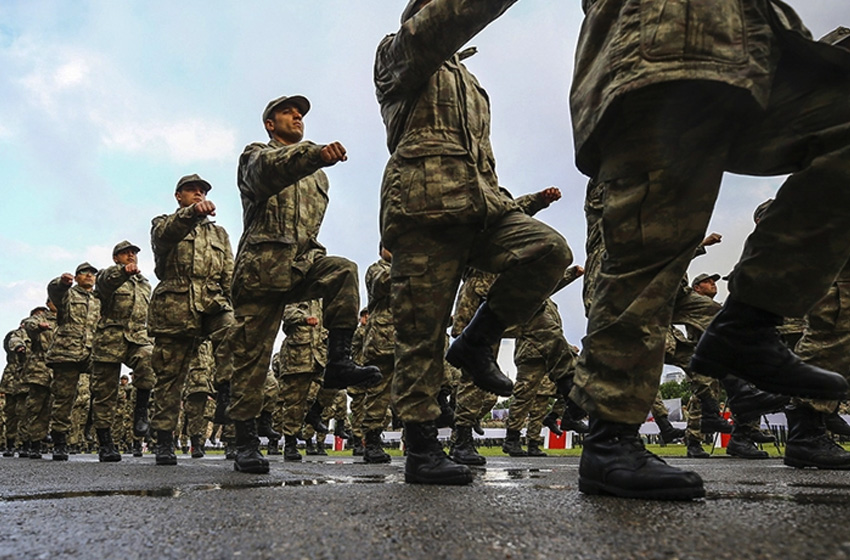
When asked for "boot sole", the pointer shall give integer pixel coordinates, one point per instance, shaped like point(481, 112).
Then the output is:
point(458, 362)
point(257, 469)
point(474, 462)
point(671, 494)
point(802, 464)
point(719, 371)
point(460, 480)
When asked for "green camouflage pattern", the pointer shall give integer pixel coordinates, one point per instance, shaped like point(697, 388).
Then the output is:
point(77, 315)
point(124, 301)
point(305, 348)
point(16, 344)
point(35, 370)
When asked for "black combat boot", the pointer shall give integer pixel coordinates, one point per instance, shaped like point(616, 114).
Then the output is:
point(197, 446)
point(551, 422)
point(668, 432)
point(320, 445)
point(165, 448)
point(534, 449)
point(60, 446)
point(808, 443)
point(265, 426)
point(446, 419)
point(248, 456)
point(572, 418)
point(836, 424)
point(35, 450)
point(230, 449)
point(357, 449)
point(741, 444)
point(314, 417)
point(141, 421)
point(274, 447)
point(710, 420)
point(341, 431)
point(24, 449)
point(464, 451)
point(426, 462)
point(222, 401)
point(742, 341)
point(762, 436)
point(748, 403)
point(472, 351)
point(695, 450)
point(137, 448)
point(290, 449)
point(477, 428)
point(106, 451)
point(10, 448)
point(374, 452)
point(512, 445)
point(309, 447)
point(614, 461)
point(341, 371)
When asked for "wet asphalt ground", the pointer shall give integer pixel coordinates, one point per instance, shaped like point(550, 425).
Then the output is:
point(338, 507)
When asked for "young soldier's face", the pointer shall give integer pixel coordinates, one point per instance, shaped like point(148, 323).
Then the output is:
point(125, 257)
point(85, 279)
point(286, 125)
point(190, 194)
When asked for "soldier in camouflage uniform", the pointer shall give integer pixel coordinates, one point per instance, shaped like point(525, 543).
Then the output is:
point(69, 354)
point(441, 211)
point(280, 261)
point(37, 376)
point(664, 100)
point(378, 351)
point(121, 337)
point(333, 404)
point(15, 345)
point(194, 263)
point(198, 390)
point(79, 436)
point(303, 355)
point(358, 394)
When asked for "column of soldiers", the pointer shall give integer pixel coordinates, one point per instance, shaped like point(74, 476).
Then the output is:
point(656, 123)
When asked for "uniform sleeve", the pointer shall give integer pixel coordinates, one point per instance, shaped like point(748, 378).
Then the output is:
point(110, 279)
point(266, 170)
point(377, 283)
point(531, 204)
point(56, 291)
point(168, 230)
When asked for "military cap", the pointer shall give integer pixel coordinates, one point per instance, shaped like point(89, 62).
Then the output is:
point(703, 277)
point(299, 101)
point(839, 37)
point(761, 209)
point(83, 267)
point(123, 246)
point(193, 178)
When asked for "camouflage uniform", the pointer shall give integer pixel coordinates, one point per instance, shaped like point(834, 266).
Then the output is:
point(77, 315)
point(194, 263)
point(121, 337)
point(303, 356)
point(378, 345)
point(441, 206)
point(198, 390)
point(16, 345)
point(744, 90)
point(357, 394)
point(37, 376)
point(78, 435)
point(280, 260)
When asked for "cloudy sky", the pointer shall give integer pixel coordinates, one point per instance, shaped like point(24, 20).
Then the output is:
point(104, 105)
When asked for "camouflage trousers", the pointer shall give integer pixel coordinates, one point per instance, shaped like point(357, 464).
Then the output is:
point(358, 399)
point(271, 394)
point(171, 359)
point(195, 417)
point(258, 318)
point(471, 403)
point(529, 379)
point(36, 419)
point(377, 399)
point(295, 391)
point(537, 412)
point(530, 258)
point(333, 403)
point(661, 167)
point(826, 341)
point(80, 411)
point(658, 408)
point(106, 377)
point(64, 388)
point(14, 410)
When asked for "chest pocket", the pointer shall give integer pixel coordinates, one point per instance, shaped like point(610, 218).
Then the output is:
point(711, 30)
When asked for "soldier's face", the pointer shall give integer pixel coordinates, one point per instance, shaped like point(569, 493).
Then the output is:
point(707, 288)
point(286, 125)
point(190, 194)
point(125, 257)
point(85, 279)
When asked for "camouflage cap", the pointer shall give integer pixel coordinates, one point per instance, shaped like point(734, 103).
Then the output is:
point(123, 246)
point(299, 101)
point(190, 179)
point(82, 267)
point(703, 277)
point(761, 209)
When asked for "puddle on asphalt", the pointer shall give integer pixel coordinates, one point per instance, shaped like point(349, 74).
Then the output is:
point(802, 498)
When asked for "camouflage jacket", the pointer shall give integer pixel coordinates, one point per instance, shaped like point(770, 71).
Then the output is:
point(36, 370)
point(357, 342)
point(304, 350)
point(201, 371)
point(194, 263)
point(626, 45)
point(284, 197)
point(437, 116)
point(77, 315)
point(124, 300)
point(380, 332)
point(16, 344)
